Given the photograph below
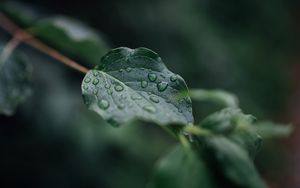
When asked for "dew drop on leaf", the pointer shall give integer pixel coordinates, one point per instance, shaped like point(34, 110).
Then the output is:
point(144, 84)
point(103, 104)
point(95, 92)
point(173, 78)
point(85, 87)
point(152, 77)
point(110, 92)
point(149, 109)
point(95, 73)
point(87, 80)
point(136, 97)
point(95, 81)
point(107, 86)
point(121, 106)
point(162, 86)
point(119, 88)
point(154, 99)
point(113, 122)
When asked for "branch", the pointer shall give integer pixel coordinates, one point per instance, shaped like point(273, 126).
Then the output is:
point(25, 37)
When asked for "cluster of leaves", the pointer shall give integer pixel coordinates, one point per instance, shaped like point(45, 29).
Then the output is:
point(134, 84)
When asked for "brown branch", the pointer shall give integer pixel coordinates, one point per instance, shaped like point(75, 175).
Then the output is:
point(25, 37)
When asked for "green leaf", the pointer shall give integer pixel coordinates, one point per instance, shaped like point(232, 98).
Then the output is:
point(65, 34)
point(135, 84)
point(72, 37)
point(217, 96)
point(19, 12)
point(237, 126)
point(15, 83)
point(271, 130)
point(233, 162)
point(225, 120)
point(248, 140)
point(182, 169)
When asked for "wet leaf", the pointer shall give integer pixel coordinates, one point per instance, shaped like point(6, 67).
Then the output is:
point(135, 84)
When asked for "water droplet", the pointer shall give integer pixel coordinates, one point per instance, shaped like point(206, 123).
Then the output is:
point(107, 86)
point(173, 78)
point(121, 106)
point(162, 86)
point(104, 104)
point(113, 122)
point(136, 97)
point(110, 92)
point(85, 87)
point(154, 99)
point(95, 73)
point(149, 109)
point(95, 81)
point(152, 77)
point(128, 69)
point(120, 70)
point(119, 88)
point(87, 80)
point(95, 92)
point(144, 84)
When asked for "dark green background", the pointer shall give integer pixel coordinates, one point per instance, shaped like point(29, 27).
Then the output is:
point(244, 47)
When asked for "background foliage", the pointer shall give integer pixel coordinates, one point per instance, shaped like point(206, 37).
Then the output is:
point(54, 141)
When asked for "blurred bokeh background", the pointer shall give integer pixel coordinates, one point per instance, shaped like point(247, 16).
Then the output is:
point(250, 48)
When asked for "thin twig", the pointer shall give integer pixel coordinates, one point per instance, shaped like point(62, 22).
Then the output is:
point(29, 39)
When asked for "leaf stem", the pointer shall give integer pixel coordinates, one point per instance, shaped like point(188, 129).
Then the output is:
point(197, 131)
point(25, 37)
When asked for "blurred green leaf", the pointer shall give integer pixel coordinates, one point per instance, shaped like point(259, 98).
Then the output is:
point(237, 126)
point(135, 84)
point(248, 140)
point(216, 96)
point(225, 120)
point(181, 169)
point(272, 130)
point(20, 13)
point(233, 162)
point(15, 82)
point(68, 35)
point(72, 37)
